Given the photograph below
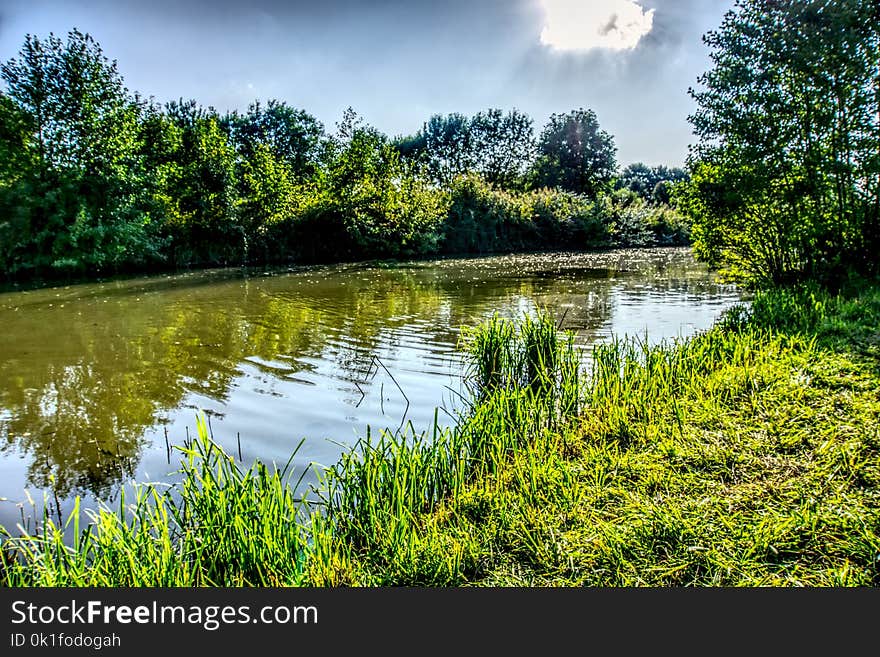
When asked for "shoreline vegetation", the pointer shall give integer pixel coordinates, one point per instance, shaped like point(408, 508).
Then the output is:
point(747, 455)
point(96, 180)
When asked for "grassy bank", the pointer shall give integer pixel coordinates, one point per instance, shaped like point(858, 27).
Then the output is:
point(747, 455)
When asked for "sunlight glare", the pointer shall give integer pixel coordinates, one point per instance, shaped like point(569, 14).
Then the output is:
point(589, 24)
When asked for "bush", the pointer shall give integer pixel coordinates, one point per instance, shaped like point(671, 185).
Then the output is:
point(568, 221)
point(636, 222)
point(484, 219)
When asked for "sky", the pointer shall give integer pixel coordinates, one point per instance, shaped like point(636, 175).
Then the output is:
point(397, 62)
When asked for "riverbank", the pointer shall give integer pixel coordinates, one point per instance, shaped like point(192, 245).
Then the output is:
point(748, 455)
point(281, 267)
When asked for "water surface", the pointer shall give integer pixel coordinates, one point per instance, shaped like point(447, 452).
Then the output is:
point(92, 376)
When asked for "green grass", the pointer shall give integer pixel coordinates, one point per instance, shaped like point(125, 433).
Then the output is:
point(223, 526)
point(377, 493)
point(748, 455)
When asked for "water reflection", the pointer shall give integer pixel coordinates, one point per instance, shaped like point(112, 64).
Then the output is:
point(91, 375)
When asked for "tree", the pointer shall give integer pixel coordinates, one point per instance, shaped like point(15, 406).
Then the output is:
point(293, 135)
point(575, 154)
point(278, 150)
point(497, 146)
point(266, 196)
point(651, 183)
point(372, 201)
point(82, 185)
point(788, 122)
point(449, 146)
point(17, 177)
point(193, 165)
point(503, 146)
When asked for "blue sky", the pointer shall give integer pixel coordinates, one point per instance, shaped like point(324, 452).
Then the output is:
point(396, 62)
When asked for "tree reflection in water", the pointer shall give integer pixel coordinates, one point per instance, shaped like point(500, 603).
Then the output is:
point(89, 371)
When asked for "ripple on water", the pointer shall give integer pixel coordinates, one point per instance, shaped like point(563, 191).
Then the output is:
point(291, 355)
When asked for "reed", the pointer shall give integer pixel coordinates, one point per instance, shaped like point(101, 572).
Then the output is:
point(532, 354)
point(222, 526)
point(746, 455)
point(373, 495)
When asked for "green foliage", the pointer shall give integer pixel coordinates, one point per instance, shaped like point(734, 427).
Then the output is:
point(651, 183)
point(266, 197)
point(194, 183)
point(72, 132)
point(17, 164)
point(277, 160)
point(371, 203)
point(745, 456)
point(446, 145)
point(484, 219)
point(222, 526)
point(786, 177)
point(293, 136)
point(498, 147)
point(637, 222)
point(94, 180)
point(564, 220)
point(504, 146)
point(574, 154)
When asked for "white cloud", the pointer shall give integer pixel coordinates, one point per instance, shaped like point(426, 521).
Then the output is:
point(589, 24)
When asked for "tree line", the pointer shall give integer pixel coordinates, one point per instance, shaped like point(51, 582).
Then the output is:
point(96, 179)
point(786, 172)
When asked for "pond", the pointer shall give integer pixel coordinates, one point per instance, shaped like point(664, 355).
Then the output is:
point(93, 377)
